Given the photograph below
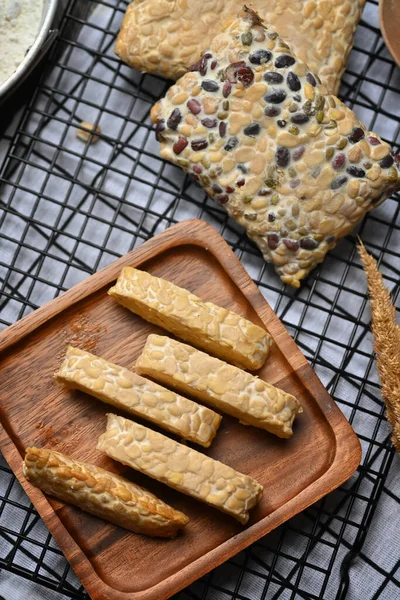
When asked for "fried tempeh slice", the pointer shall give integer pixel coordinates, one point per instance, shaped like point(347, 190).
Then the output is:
point(180, 467)
point(101, 493)
point(229, 389)
point(218, 331)
point(128, 391)
point(288, 161)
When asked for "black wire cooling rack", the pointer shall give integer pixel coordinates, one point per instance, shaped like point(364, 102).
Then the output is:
point(68, 208)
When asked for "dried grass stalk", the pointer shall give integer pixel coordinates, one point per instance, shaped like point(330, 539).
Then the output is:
point(387, 342)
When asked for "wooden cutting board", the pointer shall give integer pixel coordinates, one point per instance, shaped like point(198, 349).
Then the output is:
point(34, 410)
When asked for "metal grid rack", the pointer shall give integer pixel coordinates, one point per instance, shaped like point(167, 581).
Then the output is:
point(67, 209)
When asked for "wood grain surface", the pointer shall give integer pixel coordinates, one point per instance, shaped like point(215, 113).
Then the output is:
point(389, 18)
point(114, 564)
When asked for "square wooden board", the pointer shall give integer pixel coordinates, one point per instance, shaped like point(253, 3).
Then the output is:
point(34, 410)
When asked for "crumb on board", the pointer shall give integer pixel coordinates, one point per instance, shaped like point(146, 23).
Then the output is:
point(61, 439)
point(81, 333)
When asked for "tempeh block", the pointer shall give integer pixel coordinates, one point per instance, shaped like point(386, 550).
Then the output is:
point(218, 331)
point(225, 387)
point(101, 493)
point(288, 161)
point(168, 37)
point(180, 467)
point(143, 398)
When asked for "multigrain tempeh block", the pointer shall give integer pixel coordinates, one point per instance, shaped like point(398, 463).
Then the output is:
point(168, 37)
point(225, 387)
point(289, 162)
point(180, 467)
point(101, 493)
point(218, 331)
point(143, 398)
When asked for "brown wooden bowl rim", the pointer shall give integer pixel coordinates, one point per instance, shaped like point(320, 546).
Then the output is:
point(392, 47)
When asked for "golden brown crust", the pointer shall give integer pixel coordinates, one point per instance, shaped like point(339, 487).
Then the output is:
point(101, 493)
point(214, 329)
point(164, 37)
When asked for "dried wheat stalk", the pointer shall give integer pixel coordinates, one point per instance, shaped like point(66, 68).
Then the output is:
point(387, 341)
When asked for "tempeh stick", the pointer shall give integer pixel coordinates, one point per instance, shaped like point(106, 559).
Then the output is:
point(180, 467)
point(227, 388)
point(101, 493)
point(143, 398)
point(215, 329)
